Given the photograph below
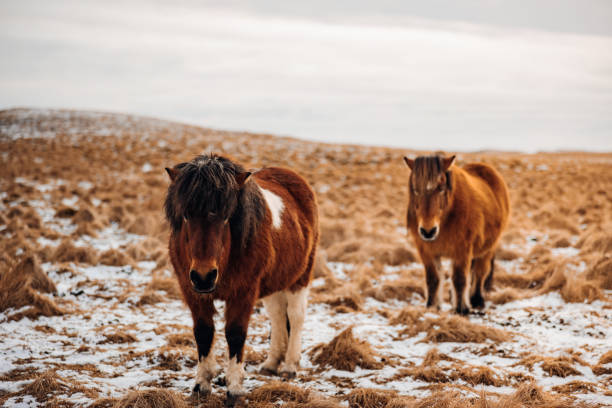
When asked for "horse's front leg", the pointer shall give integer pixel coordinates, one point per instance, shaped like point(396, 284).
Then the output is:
point(461, 282)
point(204, 332)
point(432, 280)
point(237, 314)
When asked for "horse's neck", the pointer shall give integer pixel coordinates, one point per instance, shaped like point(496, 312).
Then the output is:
point(457, 197)
point(250, 213)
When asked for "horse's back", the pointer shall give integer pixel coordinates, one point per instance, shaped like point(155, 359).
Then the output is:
point(296, 241)
point(493, 180)
point(295, 185)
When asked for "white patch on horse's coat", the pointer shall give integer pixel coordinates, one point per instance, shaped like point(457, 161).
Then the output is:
point(276, 206)
point(234, 376)
point(207, 369)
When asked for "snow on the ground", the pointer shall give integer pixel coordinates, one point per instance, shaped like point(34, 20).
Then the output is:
point(543, 325)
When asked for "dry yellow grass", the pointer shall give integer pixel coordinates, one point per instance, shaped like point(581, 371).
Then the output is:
point(370, 398)
point(430, 371)
point(401, 289)
point(343, 298)
point(150, 297)
point(345, 352)
point(21, 286)
point(118, 337)
point(362, 196)
point(153, 398)
point(606, 358)
point(67, 252)
point(571, 387)
point(451, 328)
point(459, 329)
point(601, 271)
point(44, 386)
point(115, 257)
point(505, 295)
point(30, 267)
point(168, 285)
point(181, 339)
point(561, 366)
point(279, 391)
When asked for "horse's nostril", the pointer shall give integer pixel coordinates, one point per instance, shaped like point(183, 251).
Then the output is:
point(211, 277)
point(205, 284)
point(193, 275)
point(428, 234)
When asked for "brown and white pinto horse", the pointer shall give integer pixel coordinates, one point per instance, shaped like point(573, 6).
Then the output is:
point(457, 213)
point(239, 237)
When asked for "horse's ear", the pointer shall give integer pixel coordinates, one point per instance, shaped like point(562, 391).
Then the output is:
point(242, 178)
point(409, 162)
point(172, 173)
point(448, 162)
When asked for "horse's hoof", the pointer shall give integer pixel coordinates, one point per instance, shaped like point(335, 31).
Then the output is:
point(267, 371)
point(477, 302)
point(287, 375)
point(235, 400)
point(462, 310)
point(478, 313)
point(200, 392)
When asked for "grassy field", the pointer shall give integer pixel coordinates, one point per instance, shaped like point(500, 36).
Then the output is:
point(90, 314)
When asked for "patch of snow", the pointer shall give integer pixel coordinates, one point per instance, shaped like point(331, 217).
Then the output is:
point(85, 185)
point(42, 241)
point(146, 167)
point(25, 402)
point(111, 237)
point(70, 202)
point(323, 188)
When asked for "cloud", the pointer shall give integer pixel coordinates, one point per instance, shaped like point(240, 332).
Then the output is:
point(417, 83)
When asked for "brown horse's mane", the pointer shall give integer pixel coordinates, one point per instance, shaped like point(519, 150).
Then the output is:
point(207, 186)
point(429, 167)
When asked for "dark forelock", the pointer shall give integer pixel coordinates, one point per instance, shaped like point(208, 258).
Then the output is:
point(205, 185)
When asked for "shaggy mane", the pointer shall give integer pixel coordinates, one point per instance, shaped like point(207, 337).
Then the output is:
point(207, 186)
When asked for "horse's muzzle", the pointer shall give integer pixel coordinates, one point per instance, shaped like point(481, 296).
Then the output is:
point(204, 285)
point(428, 235)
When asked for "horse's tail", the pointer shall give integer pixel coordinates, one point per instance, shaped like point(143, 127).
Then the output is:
point(488, 283)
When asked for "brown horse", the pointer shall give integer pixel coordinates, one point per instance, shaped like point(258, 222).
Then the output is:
point(457, 213)
point(240, 236)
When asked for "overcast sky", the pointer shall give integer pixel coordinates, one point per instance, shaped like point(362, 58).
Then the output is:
point(470, 75)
